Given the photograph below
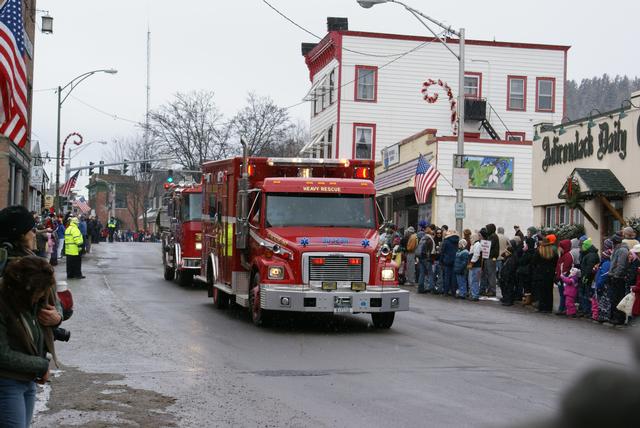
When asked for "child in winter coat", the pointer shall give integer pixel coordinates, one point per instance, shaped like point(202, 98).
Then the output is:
point(460, 268)
point(571, 291)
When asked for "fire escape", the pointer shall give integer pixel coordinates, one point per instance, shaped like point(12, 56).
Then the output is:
point(475, 109)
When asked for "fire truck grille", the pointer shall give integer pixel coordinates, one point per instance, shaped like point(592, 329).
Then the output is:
point(336, 268)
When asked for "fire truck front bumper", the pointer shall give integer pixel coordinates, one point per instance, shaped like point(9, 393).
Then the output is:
point(299, 299)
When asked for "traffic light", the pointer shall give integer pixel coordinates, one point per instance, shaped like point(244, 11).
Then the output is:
point(91, 168)
point(125, 167)
point(101, 168)
point(170, 176)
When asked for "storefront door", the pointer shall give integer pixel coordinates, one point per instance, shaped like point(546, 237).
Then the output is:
point(610, 224)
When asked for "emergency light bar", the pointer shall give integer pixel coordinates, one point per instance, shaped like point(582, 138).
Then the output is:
point(306, 161)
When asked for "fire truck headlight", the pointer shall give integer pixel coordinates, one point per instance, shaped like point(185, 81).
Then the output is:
point(276, 272)
point(388, 274)
point(198, 246)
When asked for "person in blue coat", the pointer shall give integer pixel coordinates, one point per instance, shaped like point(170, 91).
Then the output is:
point(460, 268)
point(448, 252)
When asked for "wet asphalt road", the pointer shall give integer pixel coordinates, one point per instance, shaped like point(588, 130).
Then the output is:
point(445, 363)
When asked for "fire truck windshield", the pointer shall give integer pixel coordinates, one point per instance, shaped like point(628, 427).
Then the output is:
point(292, 209)
point(192, 208)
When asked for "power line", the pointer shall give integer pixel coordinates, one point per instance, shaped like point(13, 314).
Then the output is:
point(320, 38)
point(106, 113)
point(45, 89)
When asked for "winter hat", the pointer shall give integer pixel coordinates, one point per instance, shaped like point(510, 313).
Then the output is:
point(422, 224)
point(15, 221)
point(606, 254)
point(551, 238)
point(636, 249)
point(608, 244)
point(532, 230)
point(587, 244)
point(583, 238)
point(463, 243)
point(616, 239)
point(628, 233)
point(574, 271)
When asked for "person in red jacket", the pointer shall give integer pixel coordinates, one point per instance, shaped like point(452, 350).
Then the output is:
point(564, 265)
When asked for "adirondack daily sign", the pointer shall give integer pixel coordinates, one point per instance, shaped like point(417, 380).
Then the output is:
point(611, 139)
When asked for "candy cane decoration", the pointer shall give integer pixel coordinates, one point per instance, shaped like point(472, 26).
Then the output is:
point(433, 98)
point(76, 142)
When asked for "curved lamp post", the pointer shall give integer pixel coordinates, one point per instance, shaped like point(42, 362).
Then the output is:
point(460, 57)
point(70, 86)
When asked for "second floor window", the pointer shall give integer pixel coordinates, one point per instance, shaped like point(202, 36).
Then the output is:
point(366, 83)
point(332, 86)
point(364, 135)
point(517, 93)
point(545, 94)
point(472, 85)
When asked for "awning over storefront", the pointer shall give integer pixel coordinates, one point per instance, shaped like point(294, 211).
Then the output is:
point(397, 175)
point(593, 183)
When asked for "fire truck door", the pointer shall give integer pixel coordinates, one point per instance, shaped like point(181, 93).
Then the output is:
point(227, 233)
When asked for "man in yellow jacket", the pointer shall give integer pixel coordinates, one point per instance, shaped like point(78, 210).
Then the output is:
point(72, 245)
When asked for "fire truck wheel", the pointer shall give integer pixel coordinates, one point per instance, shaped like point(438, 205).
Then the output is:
point(383, 320)
point(185, 278)
point(169, 273)
point(259, 316)
point(220, 298)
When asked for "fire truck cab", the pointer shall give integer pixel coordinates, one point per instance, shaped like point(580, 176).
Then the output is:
point(297, 235)
point(182, 241)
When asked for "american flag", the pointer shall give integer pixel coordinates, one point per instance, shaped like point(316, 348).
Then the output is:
point(13, 73)
point(426, 177)
point(66, 188)
point(82, 205)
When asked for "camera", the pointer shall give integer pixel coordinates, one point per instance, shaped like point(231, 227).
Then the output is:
point(61, 334)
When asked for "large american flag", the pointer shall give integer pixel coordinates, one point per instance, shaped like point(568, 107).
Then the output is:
point(426, 177)
point(65, 190)
point(13, 73)
point(82, 205)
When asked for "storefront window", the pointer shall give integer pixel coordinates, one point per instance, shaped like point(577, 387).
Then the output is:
point(556, 215)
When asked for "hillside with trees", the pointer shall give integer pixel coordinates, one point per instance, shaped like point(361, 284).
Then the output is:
point(602, 93)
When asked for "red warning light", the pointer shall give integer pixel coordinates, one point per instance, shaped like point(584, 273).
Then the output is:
point(362, 172)
point(355, 261)
point(317, 261)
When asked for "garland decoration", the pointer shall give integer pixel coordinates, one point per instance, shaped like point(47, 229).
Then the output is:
point(431, 99)
point(77, 142)
point(573, 192)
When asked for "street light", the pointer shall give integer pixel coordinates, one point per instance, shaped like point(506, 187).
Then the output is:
point(460, 56)
point(71, 85)
point(67, 171)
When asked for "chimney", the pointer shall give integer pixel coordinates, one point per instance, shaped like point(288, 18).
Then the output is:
point(337, 24)
point(307, 47)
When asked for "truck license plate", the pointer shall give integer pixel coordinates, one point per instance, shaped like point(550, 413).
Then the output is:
point(342, 305)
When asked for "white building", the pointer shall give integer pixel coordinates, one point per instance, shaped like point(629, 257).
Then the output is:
point(365, 91)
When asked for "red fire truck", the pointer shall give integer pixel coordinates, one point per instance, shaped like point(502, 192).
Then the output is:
point(297, 235)
point(182, 242)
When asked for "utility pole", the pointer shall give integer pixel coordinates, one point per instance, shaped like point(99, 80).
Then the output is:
point(460, 148)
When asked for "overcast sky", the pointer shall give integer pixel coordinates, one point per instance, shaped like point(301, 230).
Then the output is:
point(236, 46)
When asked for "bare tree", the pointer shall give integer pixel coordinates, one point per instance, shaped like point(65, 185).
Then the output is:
point(137, 148)
point(262, 124)
point(191, 129)
point(295, 137)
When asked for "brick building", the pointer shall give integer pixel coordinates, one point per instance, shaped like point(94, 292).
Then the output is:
point(15, 161)
point(118, 195)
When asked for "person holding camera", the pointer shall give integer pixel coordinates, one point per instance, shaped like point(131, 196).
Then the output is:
point(24, 340)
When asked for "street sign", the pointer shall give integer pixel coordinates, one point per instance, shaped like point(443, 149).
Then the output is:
point(459, 208)
point(460, 178)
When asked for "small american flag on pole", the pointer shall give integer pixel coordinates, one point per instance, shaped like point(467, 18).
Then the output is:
point(65, 190)
point(82, 205)
point(425, 179)
point(13, 73)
